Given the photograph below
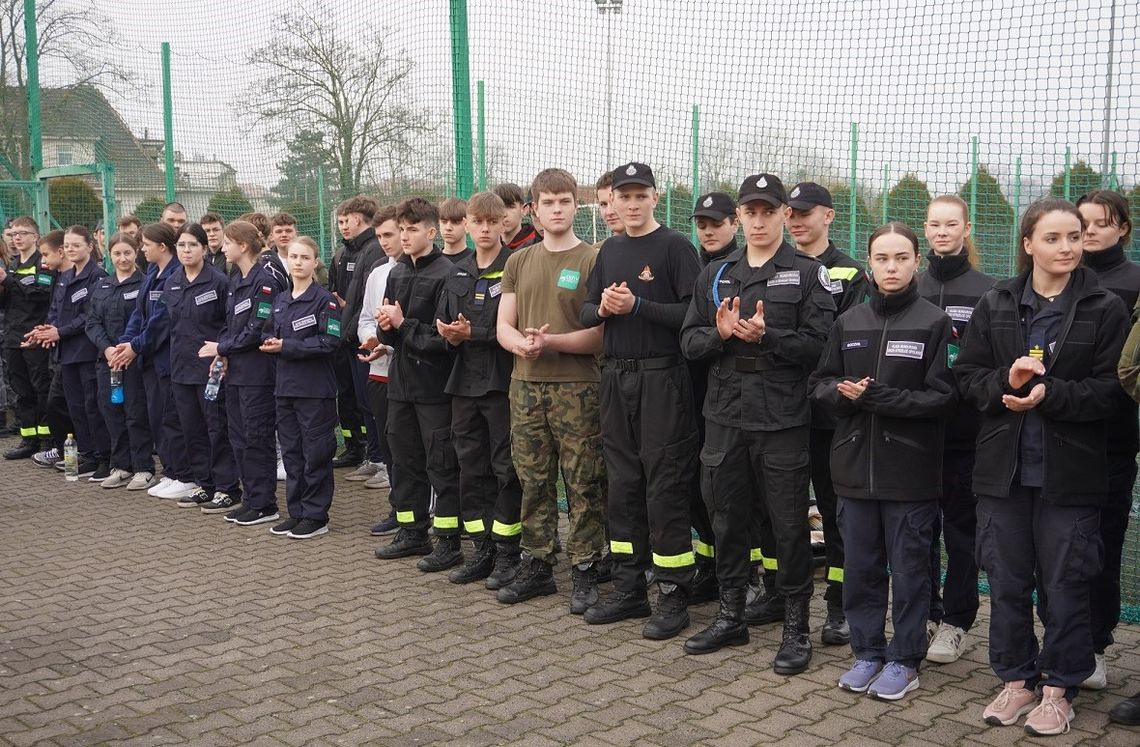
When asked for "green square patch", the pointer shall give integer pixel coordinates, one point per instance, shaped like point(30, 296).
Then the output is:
point(43, 279)
point(332, 327)
point(951, 354)
point(263, 310)
point(568, 279)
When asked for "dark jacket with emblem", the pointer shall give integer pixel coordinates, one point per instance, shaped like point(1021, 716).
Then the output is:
point(112, 302)
point(888, 443)
point(309, 328)
point(249, 304)
point(760, 386)
point(148, 329)
point(422, 363)
point(26, 295)
point(1080, 389)
point(849, 287)
point(197, 313)
point(349, 274)
point(952, 284)
point(481, 364)
point(69, 316)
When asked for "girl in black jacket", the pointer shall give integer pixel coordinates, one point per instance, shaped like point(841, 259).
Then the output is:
point(1039, 361)
point(886, 377)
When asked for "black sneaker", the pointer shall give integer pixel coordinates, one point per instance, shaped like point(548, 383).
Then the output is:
point(198, 498)
point(102, 472)
point(534, 579)
point(254, 516)
point(222, 503)
point(308, 528)
point(620, 605)
point(387, 525)
point(232, 516)
point(285, 527)
point(87, 467)
point(585, 591)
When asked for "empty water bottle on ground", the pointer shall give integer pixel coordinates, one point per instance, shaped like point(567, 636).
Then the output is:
point(215, 381)
point(71, 458)
point(116, 387)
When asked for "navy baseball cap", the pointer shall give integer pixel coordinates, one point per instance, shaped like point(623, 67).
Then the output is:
point(634, 173)
point(764, 187)
point(715, 205)
point(807, 195)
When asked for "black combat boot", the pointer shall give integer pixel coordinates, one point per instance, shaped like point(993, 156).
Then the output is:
point(620, 605)
point(406, 543)
point(705, 588)
point(446, 554)
point(478, 567)
point(767, 608)
point(795, 648)
point(836, 631)
point(534, 579)
point(728, 627)
point(23, 450)
point(672, 615)
point(506, 565)
point(585, 592)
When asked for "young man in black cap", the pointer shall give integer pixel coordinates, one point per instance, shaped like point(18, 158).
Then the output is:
point(809, 222)
point(640, 288)
point(762, 315)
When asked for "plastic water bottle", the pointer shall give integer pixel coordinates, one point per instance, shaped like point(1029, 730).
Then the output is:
point(71, 458)
point(116, 387)
point(215, 381)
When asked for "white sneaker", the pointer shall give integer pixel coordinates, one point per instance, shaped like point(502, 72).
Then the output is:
point(117, 479)
point(155, 490)
point(281, 470)
point(143, 481)
point(1098, 680)
point(178, 489)
point(380, 479)
point(948, 645)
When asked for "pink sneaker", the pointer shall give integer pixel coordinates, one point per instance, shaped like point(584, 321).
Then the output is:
point(1052, 716)
point(1013, 702)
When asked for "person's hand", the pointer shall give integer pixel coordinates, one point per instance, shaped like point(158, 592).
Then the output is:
point(370, 344)
point(374, 354)
point(3, 273)
point(1024, 369)
point(124, 356)
point(340, 300)
point(208, 350)
point(47, 335)
point(390, 316)
point(751, 329)
point(616, 300)
point(455, 332)
point(853, 390)
point(1024, 404)
point(271, 345)
point(538, 340)
point(727, 315)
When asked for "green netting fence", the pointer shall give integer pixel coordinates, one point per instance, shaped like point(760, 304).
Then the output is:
point(290, 105)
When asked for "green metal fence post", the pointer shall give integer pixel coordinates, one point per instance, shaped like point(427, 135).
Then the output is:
point(168, 122)
point(696, 189)
point(322, 214)
point(1113, 180)
point(886, 190)
point(973, 178)
point(482, 139)
point(35, 129)
point(461, 99)
point(1068, 172)
point(851, 198)
point(669, 205)
point(1016, 214)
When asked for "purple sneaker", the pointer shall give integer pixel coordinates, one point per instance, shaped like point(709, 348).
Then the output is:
point(895, 681)
point(859, 677)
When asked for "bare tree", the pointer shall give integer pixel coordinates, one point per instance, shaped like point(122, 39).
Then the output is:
point(69, 39)
point(350, 88)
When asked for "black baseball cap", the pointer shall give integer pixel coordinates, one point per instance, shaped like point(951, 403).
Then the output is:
point(634, 173)
point(764, 187)
point(807, 195)
point(715, 205)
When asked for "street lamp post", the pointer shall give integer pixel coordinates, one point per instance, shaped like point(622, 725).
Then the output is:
point(609, 7)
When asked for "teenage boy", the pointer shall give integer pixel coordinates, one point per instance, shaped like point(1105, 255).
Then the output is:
point(555, 423)
point(606, 207)
point(453, 229)
point(130, 225)
point(640, 288)
point(213, 225)
point(174, 215)
point(359, 250)
point(516, 232)
point(809, 221)
point(419, 411)
point(490, 494)
point(25, 293)
point(762, 314)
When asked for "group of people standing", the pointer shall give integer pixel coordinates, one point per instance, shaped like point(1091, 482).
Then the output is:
point(728, 392)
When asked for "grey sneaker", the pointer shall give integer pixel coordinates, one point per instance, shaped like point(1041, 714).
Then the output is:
point(379, 481)
point(117, 479)
point(222, 503)
point(142, 481)
point(363, 472)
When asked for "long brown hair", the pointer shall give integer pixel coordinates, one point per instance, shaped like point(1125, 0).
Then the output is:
point(971, 250)
point(1032, 217)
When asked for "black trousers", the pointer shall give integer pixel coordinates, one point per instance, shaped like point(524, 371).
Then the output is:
point(424, 457)
point(57, 416)
point(208, 450)
point(378, 400)
point(1104, 592)
point(364, 406)
point(164, 424)
point(649, 442)
point(82, 395)
point(128, 428)
point(251, 414)
point(347, 408)
point(957, 604)
point(698, 507)
point(744, 470)
point(891, 553)
point(490, 496)
point(29, 375)
point(1016, 536)
point(826, 501)
point(306, 430)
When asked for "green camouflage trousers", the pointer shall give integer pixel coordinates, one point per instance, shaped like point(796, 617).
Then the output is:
point(552, 423)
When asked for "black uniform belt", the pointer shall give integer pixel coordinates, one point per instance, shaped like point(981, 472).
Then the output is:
point(630, 365)
point(749, 364)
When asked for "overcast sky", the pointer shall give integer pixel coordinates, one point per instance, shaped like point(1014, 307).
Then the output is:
point(777, 83)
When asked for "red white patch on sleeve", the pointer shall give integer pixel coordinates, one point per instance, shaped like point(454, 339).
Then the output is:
point(333, 306)
point(267, 290)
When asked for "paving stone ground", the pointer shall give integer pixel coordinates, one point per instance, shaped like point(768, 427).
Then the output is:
point(127, 620)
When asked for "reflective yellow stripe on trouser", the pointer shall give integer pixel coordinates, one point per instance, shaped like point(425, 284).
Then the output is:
point(446, 522)
point(500, 529)
point(705, 550)
point(406, 517)
point(770, 564)
point(27, 432)
point(618, 547)
point(43, 430)
point(474, 527)
point(835, 574)
point(681, 560)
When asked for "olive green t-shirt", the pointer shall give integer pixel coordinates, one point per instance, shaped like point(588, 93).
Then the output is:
point(550, 288)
